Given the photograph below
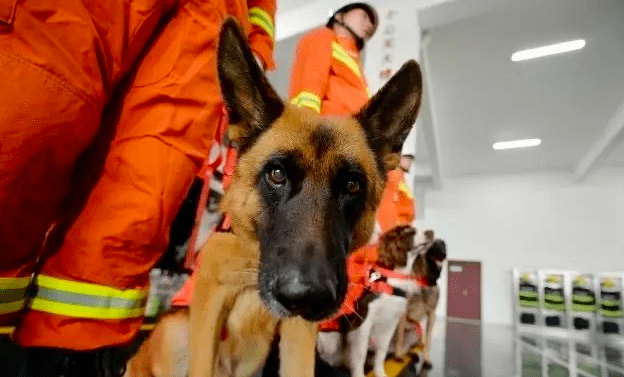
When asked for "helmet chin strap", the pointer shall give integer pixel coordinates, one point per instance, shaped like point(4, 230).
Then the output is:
point(359, 41)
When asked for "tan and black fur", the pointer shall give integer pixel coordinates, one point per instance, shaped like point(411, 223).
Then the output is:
point(304, 195)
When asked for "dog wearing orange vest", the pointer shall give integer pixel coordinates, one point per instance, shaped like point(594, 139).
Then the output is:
point(303, 196)
point(427, 260)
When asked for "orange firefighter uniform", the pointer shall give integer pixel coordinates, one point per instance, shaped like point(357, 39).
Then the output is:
point(327, 74)
point(62, 62)
point(397, 205)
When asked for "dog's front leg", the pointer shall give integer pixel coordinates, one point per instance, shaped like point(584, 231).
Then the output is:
point(209, 309)
point(394, 309)
point(427, 339)
point(358, 341)
point(297, 347)
point(399, 342)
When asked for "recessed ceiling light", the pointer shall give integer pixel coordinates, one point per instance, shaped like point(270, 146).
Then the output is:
point(548, 50)
point(516, 144)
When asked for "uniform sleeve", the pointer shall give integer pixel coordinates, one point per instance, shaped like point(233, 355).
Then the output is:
point(262, 36)
point(310, 72)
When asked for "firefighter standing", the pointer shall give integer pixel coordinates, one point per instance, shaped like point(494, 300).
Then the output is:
point(62, 63)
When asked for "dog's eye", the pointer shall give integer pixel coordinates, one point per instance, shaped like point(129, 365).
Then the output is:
point(353, 187)
point(277, 176)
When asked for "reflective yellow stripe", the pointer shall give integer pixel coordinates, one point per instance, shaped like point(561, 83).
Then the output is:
point(344, 57)
point(528, 294)
point(583, 299)
point(553, 298)
point(262, 18)
point(583, 308)
point(85, 300)
point(80, 311)
point(80, 288)
point(13, 294)
point(612, 313)
point(14, 283)
point(11, 307)
point(307, 99)
point(403, 187)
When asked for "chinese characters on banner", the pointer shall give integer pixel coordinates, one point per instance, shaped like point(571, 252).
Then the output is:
point(388, 45)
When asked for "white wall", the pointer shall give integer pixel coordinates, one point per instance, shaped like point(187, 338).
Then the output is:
point(538, 220)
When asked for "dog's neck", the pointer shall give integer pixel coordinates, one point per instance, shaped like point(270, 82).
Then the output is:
point(407, 269)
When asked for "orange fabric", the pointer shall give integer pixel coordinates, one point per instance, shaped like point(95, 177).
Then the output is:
point(63, 60)
point(58, 65)
point(396, 208)
point(314, 70)
point(182, 298)
point(359, 264)
point(397, 203)
point(262, 43)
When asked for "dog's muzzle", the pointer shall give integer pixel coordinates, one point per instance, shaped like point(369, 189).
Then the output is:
point(306, 295)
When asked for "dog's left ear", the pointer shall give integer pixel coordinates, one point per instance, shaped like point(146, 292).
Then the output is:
point(252, 102)
point(388, 117)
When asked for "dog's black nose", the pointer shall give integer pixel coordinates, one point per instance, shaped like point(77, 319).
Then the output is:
point(439, 249)
point(303, 295)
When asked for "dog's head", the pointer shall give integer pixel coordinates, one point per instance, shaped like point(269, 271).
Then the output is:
point(395, 245)
point(430, 259)
point(306, 187)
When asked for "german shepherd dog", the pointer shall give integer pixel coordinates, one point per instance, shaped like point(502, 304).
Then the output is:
point(303, 195)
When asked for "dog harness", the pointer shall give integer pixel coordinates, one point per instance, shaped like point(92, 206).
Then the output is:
point(183, 297)
point(207, 171)
point(367, 275)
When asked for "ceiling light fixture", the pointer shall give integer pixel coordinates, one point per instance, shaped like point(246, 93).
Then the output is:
point(557, 48)
point(516, 144)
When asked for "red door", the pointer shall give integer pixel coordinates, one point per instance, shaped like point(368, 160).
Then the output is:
point(464, 290)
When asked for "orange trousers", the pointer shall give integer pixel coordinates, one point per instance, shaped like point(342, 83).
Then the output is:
point(61, 63)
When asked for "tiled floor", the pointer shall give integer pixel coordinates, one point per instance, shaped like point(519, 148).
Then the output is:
point(468, 350)
point(461, 349)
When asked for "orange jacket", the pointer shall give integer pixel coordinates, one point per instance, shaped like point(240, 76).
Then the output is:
point(262, 35)
point(397, 203)
point(327, 75)
point(62, 61)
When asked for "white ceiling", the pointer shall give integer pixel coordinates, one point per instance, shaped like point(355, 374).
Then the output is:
point(289, 5)
point(479, 96)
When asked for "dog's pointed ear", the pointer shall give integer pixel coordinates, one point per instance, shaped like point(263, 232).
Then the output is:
point(389, 116)
point(252, 102)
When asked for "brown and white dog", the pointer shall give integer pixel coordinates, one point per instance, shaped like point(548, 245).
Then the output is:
point(304, 194)
point(388, 315)
point(428, 262)
point(378, 314)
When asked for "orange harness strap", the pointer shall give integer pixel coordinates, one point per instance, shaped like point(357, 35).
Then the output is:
point(206, 173)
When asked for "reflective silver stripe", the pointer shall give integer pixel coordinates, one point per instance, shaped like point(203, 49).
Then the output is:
point(90, 301)
point(87, 300)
